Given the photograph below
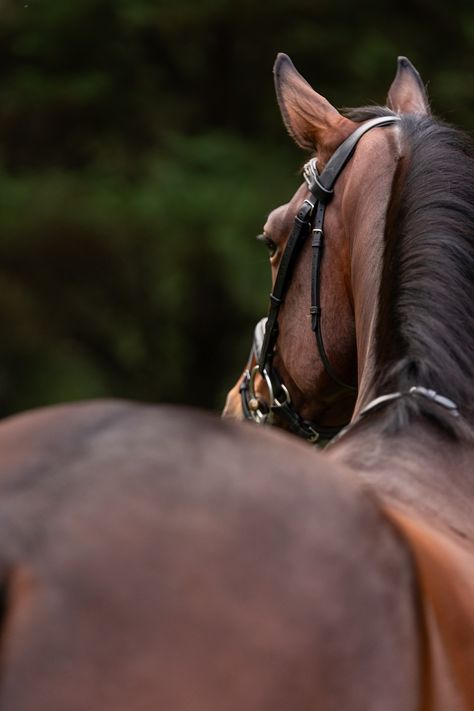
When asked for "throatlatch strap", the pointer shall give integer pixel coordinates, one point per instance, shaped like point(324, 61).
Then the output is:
point(317, 243)
point(317, 246)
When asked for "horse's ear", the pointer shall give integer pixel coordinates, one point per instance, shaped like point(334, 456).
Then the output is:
point(308, 116)
point(407, 93)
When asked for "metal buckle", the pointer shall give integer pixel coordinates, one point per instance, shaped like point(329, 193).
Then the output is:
point(259, 410)
point(313, 435)
point(286, 401)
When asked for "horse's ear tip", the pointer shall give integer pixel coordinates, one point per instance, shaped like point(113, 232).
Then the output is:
point(404, 63)
point(281, 62)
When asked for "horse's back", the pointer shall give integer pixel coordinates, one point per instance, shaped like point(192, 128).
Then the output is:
point(162, 558)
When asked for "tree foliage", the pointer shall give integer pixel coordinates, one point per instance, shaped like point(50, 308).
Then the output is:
point(141, 149)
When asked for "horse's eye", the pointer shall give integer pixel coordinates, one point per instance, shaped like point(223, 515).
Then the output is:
point(268, 242)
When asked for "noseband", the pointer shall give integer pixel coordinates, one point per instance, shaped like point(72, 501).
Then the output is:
point(309, 220)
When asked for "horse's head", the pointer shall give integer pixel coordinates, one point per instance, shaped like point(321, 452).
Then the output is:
point(303, 364)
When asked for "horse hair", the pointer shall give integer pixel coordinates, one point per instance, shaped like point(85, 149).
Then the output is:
point(425, 328)
point(425, 333)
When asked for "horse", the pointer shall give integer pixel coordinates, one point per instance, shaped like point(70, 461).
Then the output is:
point(400, 218)
point(160, 557)
point(156, 557)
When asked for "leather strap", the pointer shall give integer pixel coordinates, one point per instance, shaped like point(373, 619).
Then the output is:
point(416, 391)
point(299, 232)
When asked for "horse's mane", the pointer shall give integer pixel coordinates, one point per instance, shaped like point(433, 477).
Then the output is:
point(425, 330)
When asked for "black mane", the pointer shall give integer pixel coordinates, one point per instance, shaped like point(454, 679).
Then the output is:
point(425, 331)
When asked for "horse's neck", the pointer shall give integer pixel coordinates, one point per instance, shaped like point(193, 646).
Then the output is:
point(412, 467)
point(411, 276)
point(417, 471)
point(368, 190)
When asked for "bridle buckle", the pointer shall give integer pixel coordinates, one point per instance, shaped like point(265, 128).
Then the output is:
point(313, 436)
point(287, 399)
point(259, 410)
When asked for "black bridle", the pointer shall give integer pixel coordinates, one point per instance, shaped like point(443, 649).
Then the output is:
point(309, 220)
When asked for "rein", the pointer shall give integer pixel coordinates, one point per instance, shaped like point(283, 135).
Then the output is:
point(419, 390)
point(382, 401)
point(308, 220)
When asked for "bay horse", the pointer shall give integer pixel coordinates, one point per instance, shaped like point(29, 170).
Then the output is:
point(162, 558)
point(401, 222)
point(159, 557)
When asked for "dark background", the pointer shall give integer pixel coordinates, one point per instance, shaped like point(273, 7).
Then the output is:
point(141, 149)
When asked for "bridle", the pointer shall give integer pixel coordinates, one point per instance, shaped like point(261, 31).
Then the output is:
point(309, 220)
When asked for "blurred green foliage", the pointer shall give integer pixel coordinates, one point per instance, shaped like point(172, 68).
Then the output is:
point(141, 149)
